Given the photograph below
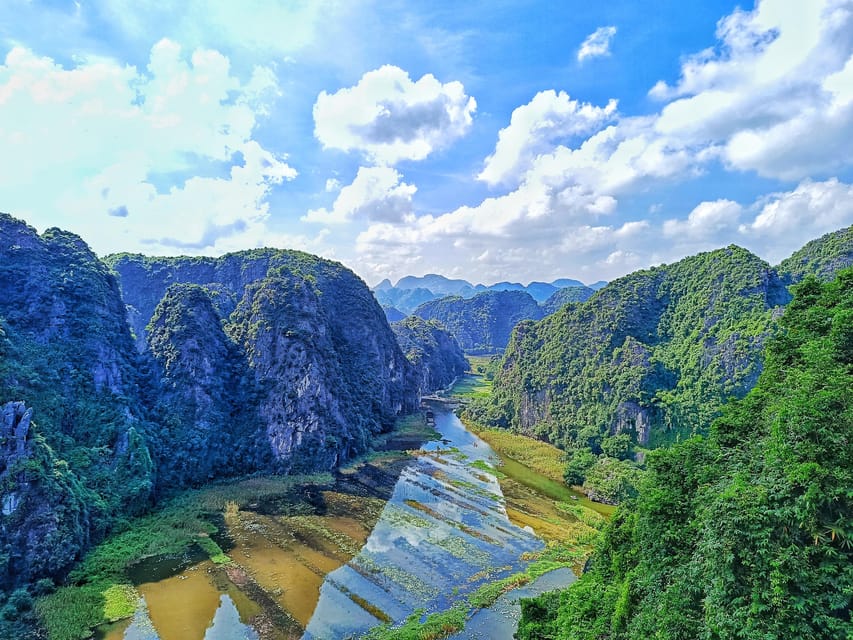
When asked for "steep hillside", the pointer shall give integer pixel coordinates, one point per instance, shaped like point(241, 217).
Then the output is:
point(747, 534)
point(822, 257)
point(563, 296)
point(210, 427)
point(323, 365)
point(482, 324)
point(406, 300)
point(652, 354)
point(74, 454)
point(433, 352)
point(392, 314)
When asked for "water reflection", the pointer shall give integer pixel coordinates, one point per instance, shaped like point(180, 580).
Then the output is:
point(442, 535)
point(379, 543)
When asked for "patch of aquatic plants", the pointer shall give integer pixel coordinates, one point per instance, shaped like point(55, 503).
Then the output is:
point(418, 627)
point(402, 578)
point(482, 465)
point(100, 589)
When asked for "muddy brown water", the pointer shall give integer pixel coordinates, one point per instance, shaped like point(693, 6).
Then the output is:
point(383, 539)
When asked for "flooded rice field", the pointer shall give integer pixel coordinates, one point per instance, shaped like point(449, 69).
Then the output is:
point(387, 538)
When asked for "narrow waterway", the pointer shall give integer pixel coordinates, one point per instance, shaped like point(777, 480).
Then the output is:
point(444, 533)
point(377, 545)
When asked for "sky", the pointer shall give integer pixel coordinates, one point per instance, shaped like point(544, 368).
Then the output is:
point(486, 140)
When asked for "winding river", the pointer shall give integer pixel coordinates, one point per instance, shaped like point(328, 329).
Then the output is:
point(442, 533)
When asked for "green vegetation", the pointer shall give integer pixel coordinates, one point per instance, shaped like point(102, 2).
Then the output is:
point(476, 382)
point(471, 387)
point(564, 296)
point(433, 627)
point(651, 357)
point(66, 353)
point(822, 257)
point(481, 324)
point(98, 590)
point(746, 533)
point(541, 457)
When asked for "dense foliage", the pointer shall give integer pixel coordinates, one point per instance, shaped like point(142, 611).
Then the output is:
point(822, 257)
point(433, 352)
point(748, 533)
point(561, 297)
point(65, 352)
point(482, 324)
point(209, 425)
point(653, 355)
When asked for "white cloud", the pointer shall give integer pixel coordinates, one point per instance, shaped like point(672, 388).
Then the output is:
point(597, 43)
point(547, 118)
point(256, 24)
point(376, 194)
point(778, 95)
point(708, 221)
point(390, 118)
point(775, 97)
point(786, 220)
point(88, 145)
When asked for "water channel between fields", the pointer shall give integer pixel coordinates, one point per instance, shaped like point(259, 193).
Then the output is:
point(375, 547)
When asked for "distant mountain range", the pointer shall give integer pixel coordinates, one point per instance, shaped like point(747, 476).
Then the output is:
point(412, 291)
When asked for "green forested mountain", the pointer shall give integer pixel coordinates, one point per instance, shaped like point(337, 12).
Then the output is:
point(823, 257)
point(481, 324)
point(653, 354)
point(746, 534)
point(265, 360)
point(73, 453)
point(208, 420)
point(435, 354)
point(326, 370)
point(562, 296)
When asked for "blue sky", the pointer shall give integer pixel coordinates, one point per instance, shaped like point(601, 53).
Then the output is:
point(487, 140)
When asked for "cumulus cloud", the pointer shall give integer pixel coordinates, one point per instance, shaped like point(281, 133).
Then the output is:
point(185, 115)
point(785, 220)
point(708, 221)
point(776, 95)
point(549, 117)
point(390, 118)
point(597, 43)
point(376, 194)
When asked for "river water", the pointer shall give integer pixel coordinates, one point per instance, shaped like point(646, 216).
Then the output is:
point(442, 533)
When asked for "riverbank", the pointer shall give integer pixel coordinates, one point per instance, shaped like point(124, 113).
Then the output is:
point(255, 556)
point(224, 525)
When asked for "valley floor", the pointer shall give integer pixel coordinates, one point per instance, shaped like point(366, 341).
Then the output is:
point(258, 558)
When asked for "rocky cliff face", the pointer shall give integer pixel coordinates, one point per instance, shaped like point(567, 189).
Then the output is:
point(65, 351)
point(325, 369)
point(281, 327)
point(45, 521)
point(435, 354)
point(210, 426)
